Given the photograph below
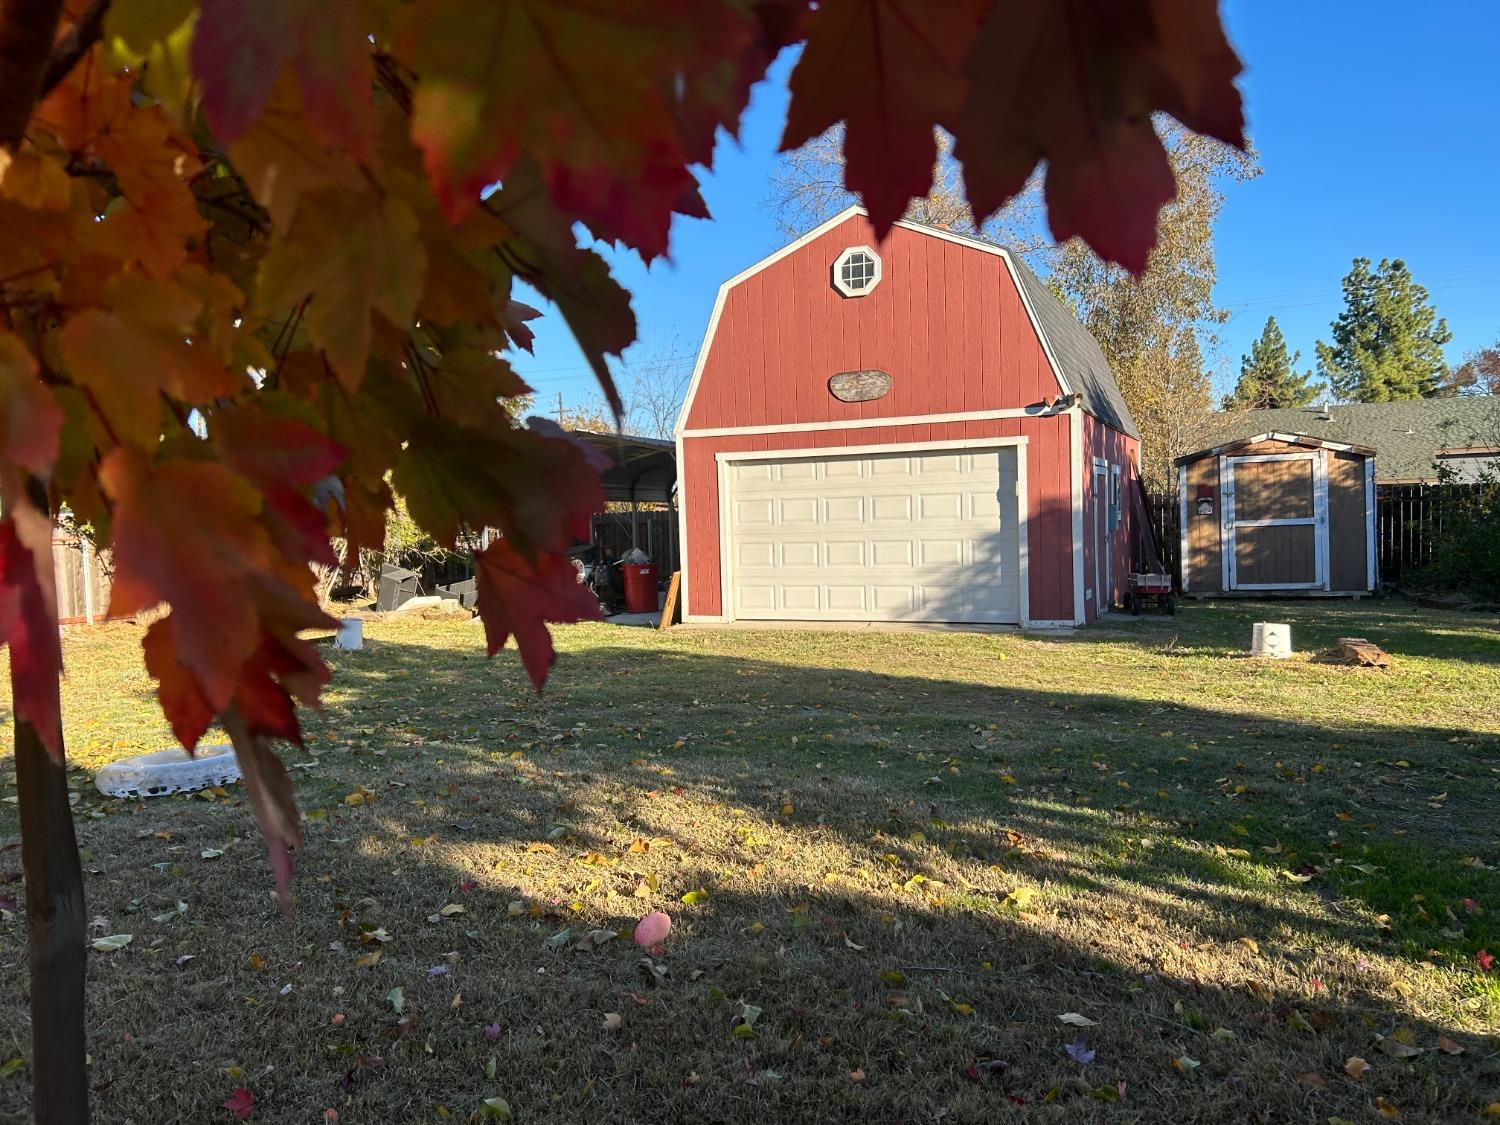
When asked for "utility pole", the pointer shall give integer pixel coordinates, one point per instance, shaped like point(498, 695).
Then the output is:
point(559, 408)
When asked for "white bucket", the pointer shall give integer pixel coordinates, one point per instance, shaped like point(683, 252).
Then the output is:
point(351, 633)
point(1272, 640)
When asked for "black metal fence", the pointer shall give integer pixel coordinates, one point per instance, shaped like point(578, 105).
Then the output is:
point(1409, 521)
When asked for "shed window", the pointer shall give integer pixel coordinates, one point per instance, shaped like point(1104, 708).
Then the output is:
point(857, 271)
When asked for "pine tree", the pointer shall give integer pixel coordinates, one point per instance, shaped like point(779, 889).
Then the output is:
point(1268, 375)
point(1388, 341)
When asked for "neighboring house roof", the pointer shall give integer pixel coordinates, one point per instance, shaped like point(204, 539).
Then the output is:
point(1272, 435)
point(1077, 353)
point(1406, 436)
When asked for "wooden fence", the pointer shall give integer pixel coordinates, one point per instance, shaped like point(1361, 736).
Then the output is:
point(83, 581)
point(1408, 522)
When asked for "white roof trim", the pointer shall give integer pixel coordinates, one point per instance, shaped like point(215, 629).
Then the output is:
point(817, 232)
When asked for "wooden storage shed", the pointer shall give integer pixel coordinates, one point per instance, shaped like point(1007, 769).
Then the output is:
point(906, 430)
point(1278, 514)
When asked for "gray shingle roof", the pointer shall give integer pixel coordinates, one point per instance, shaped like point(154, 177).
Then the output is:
point(1404, 435)
point(1078, 354)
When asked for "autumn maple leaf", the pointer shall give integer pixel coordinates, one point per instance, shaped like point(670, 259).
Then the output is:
point(517, 597)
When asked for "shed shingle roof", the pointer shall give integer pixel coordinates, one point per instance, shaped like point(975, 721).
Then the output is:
point(1405, 435)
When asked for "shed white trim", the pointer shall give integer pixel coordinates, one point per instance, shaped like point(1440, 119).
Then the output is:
point(1372, 558)
point(1182, 529)
point(1318, 521)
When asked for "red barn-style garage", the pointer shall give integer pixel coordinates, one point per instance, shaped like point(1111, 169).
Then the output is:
point(907, 430)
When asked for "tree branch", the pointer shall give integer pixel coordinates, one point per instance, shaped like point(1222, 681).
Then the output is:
point(27, 28)
point(74, 45)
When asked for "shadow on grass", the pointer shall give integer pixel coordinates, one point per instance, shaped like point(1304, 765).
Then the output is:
point(1142, 897)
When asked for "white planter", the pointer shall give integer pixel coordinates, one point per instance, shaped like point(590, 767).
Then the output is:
point(1271, 639)
point(351, 633)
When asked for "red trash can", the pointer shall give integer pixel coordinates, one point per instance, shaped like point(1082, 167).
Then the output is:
point(640, 587)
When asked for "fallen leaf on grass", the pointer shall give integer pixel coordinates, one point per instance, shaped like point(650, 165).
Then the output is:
point(1356, 1067)
point(693, 898)
point(1448, 1047)
point(857, 1074)
point(493, 1109)
point(1073, 1019)
point(397, 999)
point(1186, 1064)
point(1485, 958)
point(256, 962)
point(1079, 1052)
point(1249, 943)
point(1397, 1049)
point(1387, 1110)
point(613, 1021)
point(492, 1032)
point(113, 943)
point(240, 1103)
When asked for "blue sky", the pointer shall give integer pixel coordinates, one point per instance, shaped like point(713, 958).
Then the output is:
point(1377, 130)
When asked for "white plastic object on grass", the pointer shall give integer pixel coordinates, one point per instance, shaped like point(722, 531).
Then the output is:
point(351, 634)
point(1271, 639)
point(168, 771)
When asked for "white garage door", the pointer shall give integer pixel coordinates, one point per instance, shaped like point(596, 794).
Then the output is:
point(929, 536)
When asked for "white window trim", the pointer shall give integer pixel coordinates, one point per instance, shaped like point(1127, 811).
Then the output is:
point(838, 269)
point(725, 458)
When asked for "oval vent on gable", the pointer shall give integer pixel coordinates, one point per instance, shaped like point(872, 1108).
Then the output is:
point(859, 386)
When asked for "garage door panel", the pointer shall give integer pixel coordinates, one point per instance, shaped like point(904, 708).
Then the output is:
point(847, 599)
point(934, 537)
point(753, 555)
point(892, 553)
point(799, 510)
point(845, 509)
point(941, 552)
point(845, 554)
point(750, 513)
point(799, 554)
point(935, 506)
point(891, 509)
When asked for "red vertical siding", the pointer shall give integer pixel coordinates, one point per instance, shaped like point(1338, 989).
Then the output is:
point(945, 322)
point(1048, 498)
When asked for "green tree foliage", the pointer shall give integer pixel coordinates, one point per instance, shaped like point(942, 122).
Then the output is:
point(1268, 376)
point(1388, 341)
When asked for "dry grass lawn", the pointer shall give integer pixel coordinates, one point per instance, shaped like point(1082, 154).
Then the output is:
point(893, 861)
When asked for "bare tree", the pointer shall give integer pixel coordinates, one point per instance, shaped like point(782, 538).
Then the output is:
point(807, 187)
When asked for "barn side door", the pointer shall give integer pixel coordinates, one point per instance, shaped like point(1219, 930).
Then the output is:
point(1275, 521)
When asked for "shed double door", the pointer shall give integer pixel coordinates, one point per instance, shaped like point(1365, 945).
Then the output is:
point(918, 535)
point(1275, 521)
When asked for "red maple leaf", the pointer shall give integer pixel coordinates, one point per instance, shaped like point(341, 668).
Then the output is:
point(240, 1103)
point(28, 624)
point(1485, 958)
point(517, 597)
point(240, 48)
point(1074, 83)
point(892, 70)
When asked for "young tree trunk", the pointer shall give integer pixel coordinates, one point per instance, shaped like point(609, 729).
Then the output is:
point(55, 931)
